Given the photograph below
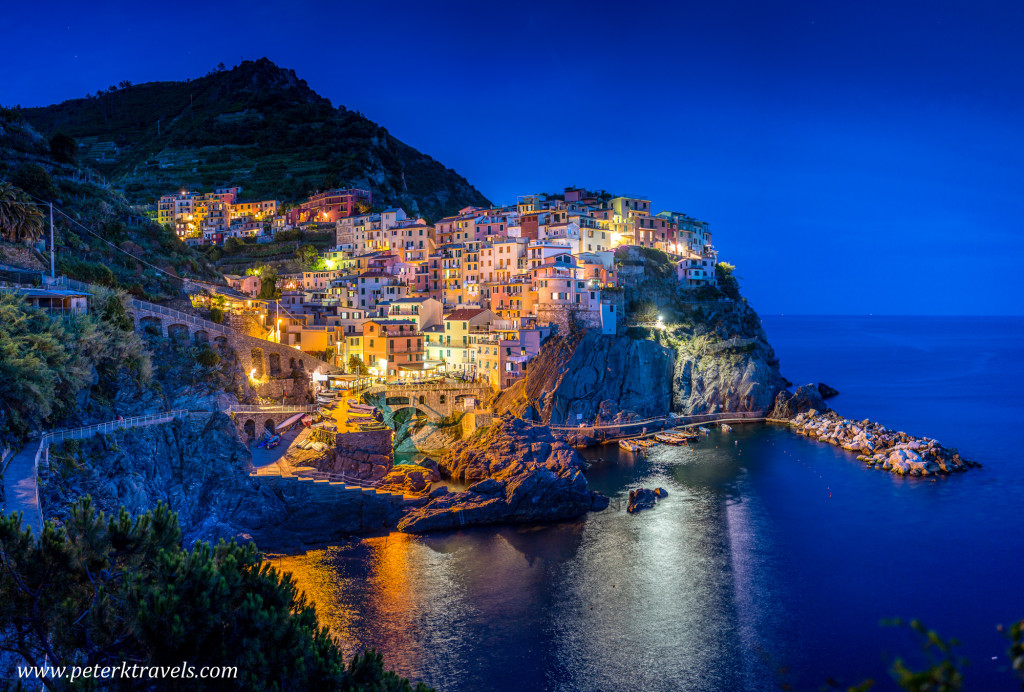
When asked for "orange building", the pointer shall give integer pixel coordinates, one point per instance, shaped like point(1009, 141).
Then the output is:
point(392, 345)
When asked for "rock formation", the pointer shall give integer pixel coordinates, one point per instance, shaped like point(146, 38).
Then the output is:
point(200, 468)
point(524, 475)
point(721, 362)
point(640, 499)
point(881, 448)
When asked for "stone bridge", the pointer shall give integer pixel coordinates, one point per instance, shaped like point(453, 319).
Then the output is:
point(252, 421)
point(259, 357)
point(432, 401)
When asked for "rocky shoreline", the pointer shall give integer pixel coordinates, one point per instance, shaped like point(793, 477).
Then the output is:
point(881, 448)
point(524, 474)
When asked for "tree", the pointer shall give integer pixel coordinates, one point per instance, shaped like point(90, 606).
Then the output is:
point(63, 148)
point(35, 180)
point(309, 257)
point(20, 219)
point(356, 365)
point(100, 591)
point(268, 283)
point(233, 246)
point(728, 282)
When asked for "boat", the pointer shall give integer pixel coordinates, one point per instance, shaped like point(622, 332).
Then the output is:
point(726, 428)
point(673, 438)
point(361, 408)
point(704, 431)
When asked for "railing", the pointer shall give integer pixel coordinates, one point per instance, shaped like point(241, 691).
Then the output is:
point(677, 420)
point(183, 317)
point(337, 478)
point(380, 389)
point(80, 433)
point(298, 408)
point(124, 423)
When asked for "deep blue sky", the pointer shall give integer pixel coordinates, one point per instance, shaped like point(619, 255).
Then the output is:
point(851, 157)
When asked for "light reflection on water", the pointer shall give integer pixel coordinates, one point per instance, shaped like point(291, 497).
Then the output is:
point(771, 551)
point(588, 604)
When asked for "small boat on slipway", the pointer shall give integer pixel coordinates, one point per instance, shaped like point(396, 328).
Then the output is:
point(636, 446)
point(675, 438)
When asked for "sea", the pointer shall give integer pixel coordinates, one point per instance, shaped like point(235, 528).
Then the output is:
point(774, 560)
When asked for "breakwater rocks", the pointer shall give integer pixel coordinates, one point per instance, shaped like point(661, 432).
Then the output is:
point(524, 474)
point(881, 448)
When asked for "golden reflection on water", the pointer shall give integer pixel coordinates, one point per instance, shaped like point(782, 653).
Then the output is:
point(350, 585)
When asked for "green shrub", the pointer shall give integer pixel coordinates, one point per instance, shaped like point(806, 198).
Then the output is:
point(207, 357)
point(102, 590)
point(216, 315)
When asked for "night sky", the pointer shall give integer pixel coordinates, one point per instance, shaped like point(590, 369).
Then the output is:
point(851, 157)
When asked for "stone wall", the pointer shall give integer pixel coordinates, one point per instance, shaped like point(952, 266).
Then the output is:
point(364, 455)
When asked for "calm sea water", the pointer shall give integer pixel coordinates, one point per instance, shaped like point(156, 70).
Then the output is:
point(773, 559)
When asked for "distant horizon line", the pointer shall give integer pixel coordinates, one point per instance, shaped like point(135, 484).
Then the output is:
point(873, 314)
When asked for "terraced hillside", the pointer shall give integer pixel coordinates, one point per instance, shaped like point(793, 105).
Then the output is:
point(258, 126)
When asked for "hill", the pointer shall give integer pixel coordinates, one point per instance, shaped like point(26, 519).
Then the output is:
point(99, 237)
point(257, 126)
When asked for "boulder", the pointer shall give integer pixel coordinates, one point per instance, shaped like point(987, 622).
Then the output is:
point(807, 398)
point(640, 499)
point(826, 391)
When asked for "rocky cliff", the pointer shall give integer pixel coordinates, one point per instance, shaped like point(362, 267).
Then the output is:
point(711, 360)
point(200, 468)
point(525, 475)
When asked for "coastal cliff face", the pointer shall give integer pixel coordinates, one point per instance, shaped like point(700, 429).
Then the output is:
point(200, 468)
point(729, 367)
point(598, 377)
point(524, 475)
point(716, 360)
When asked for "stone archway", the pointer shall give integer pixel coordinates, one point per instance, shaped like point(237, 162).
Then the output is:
point(409, 415)
point(201, 336)
point(153, 325)
point(270, 426)
point(250, 428)
point(274, 364)
point(291, 363)
point(177, 333)
point(394, 401)
point(257, 363)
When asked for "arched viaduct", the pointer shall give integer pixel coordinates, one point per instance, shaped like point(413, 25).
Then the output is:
point(436, 401)
point(260, 357)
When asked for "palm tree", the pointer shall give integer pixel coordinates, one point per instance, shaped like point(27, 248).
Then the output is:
point(20, 219)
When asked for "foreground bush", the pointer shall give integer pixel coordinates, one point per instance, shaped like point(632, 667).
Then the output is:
point(105, 590)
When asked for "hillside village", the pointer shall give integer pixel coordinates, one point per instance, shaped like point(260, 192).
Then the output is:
point(471, 295)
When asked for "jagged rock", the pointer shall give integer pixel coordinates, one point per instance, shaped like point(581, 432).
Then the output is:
point(525, 475)
point(880, 448)
point(200, 468)
point(782, 409)
point(723, 363)
point(486, 487)
point(640, 499)
point(826, 391)
point(409, 478)
point(808, 397)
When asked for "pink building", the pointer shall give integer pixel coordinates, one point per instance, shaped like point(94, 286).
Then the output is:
point(332, 205)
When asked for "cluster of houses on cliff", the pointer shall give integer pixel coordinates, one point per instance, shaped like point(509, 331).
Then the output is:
point(473, 294)
point(211, 218)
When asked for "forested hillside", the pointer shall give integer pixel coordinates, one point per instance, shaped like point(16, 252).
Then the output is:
point(257, 126)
